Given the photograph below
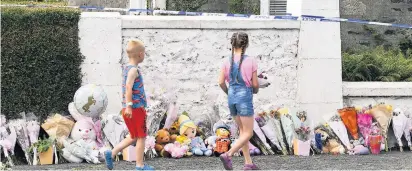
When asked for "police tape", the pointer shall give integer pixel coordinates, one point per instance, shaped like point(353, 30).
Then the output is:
point(267, 17)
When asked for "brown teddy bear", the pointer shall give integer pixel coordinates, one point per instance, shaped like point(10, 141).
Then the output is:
point(330, 144)
point(174, 131)
point(162, 138)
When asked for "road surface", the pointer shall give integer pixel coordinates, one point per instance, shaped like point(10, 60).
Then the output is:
point(393, 160)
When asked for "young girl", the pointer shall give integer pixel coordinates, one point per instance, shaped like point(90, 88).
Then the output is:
point(241, 73)
point(134, 104)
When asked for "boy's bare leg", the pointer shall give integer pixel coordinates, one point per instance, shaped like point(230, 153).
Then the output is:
point(122, 145)
point(140, 144)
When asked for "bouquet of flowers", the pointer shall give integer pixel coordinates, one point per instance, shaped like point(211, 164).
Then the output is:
point(335, 122)
point(364, 123)
point(268, 129)
point(274, 116)
point(288, 126)
point(8, 139)
point(302, 142)
point(349, 118)
point(260, 140)
point(33, 128)
point(383, 114)
point(22, 135)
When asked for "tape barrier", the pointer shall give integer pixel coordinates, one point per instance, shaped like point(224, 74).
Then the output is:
point(185, 13)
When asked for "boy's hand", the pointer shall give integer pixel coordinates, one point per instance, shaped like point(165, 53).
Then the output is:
point(128, 112)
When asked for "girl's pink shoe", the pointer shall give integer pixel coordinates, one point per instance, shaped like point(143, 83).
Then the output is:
point(227, 161)
point(250, 167)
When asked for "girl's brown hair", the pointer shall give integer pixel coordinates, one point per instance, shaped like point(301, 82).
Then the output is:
point(238, 40)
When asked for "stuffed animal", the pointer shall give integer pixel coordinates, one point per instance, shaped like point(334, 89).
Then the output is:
point(174, 131)
point(329, 144)
point(199, 147)
point(188, 130)
point(401, 128)
point(253, 151)
point(86, 132)
point(162, 138)
point(357, 148)
point(176, 149)
point(263, 80)
point(223, 142)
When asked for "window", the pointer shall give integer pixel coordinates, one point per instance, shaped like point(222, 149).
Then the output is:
point(277, 7)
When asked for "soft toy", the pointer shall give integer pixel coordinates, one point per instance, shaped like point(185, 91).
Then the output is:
point(85, 140)
point(187, 130)
point(174, 131)
point(329, 144)
point(162, 138)
point(7, 140)
point(400, 127)
point(253, 151)
point(176, 149)
point(199, 147)
point(357, 148)
point(263, 80)
point(220, 142)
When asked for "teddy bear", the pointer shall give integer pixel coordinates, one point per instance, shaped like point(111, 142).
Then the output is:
point(162, 138)
point(85, 140)
point(329, 144)
point(174, 131)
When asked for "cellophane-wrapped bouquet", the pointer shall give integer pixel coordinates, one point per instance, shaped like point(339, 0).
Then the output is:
point(268, 129)
point(22, 135)
point(383, 115)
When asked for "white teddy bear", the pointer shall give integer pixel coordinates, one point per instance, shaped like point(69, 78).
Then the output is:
point(85, 142)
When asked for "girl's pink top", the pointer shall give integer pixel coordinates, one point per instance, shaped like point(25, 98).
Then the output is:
point(249, 65)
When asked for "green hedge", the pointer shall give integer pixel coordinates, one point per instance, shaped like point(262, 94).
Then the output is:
point(40, 58)
point(377, 65)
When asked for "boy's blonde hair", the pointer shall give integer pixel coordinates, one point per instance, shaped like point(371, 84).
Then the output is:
point(134, 46)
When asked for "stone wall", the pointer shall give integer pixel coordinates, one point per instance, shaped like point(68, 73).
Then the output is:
point(398, 94)
point(356, 35)
point(191, 60)
point(184, 54)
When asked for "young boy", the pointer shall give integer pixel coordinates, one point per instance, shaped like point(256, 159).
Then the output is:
point(134, 103)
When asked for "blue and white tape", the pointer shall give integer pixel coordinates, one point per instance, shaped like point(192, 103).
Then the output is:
point(185, 13)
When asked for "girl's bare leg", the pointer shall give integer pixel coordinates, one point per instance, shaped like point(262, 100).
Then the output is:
point(245, 148)
point(246, 132)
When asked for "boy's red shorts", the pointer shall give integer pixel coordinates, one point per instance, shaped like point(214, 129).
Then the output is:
point(137, 123)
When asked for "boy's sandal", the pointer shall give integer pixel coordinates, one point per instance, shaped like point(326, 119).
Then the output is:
point(145, 167)
point(108, 159)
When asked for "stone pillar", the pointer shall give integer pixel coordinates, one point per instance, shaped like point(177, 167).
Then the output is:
point(160, 4)
point(319, 69)
point(138, 4)
point(264, 7)
point(101, 43)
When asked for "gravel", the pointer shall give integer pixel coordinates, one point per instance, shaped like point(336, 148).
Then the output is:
point(388, 161)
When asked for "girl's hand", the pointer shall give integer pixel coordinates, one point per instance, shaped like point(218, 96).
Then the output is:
point(255, 83)
point(128, 112)
point(222, 82)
